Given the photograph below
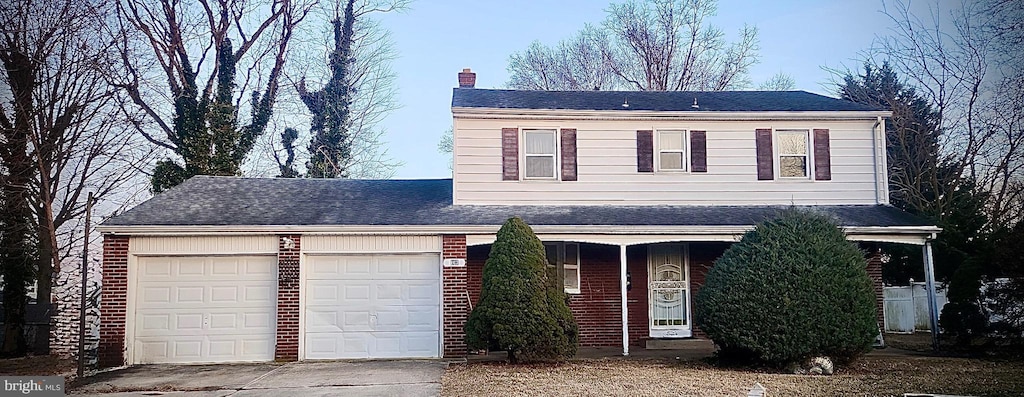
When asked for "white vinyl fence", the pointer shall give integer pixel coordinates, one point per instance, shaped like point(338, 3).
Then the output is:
point(906, 307)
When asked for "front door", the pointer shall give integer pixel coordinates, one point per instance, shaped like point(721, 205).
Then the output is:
point(669, 286)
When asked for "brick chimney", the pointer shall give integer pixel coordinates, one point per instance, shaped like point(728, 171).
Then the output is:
point(467, 79)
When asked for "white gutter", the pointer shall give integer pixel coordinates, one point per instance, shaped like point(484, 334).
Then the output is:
point(182, 230)
point(562, 114)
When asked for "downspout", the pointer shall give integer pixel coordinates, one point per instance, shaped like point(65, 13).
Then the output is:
point(881, 161)
point(929, 278)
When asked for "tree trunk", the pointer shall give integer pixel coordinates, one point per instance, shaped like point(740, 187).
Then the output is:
point(16, 242)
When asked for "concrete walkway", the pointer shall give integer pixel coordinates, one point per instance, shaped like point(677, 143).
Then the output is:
point(350, 378)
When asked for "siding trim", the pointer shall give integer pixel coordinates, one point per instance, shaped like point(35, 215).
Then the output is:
point(765, 163)
point(645, 151)
point(822, 156)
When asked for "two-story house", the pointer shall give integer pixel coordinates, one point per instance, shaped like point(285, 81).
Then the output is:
point(634, 194)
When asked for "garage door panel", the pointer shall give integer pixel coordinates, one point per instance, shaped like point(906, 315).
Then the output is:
point(385, 306)
point(205, 309)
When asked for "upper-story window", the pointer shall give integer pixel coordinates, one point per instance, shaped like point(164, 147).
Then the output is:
point(539, 154)
point(793, 154)
point(672, 150)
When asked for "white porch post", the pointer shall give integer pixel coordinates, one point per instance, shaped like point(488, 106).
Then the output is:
point(622, 287)
point(929, 279)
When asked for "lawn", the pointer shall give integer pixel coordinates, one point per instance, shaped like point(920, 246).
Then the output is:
point(871, 376)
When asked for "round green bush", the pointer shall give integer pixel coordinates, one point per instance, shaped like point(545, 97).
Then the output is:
point(523, 309)
point(792, 288)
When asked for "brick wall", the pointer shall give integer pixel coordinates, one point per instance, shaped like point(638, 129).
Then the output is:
point(455, 297)
point(113, 301)
point(874, 257)
point(702, 258)
point(598, 306)
point(636, 296)
point(287, 348)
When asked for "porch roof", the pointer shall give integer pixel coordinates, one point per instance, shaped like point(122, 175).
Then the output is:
point(225, 204)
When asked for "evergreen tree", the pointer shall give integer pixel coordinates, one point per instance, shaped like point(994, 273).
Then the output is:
point(331, 147)
point(522, 308)
point(790, 289)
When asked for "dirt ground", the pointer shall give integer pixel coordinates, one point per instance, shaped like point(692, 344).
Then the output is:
point(871, 376)
point(36, 365)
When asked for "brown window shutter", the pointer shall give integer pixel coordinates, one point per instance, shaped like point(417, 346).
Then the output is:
point(568, 154)
point(822, 156)
point(698, 151)
point(645, 151)
point(765, 166)
point(510, 154)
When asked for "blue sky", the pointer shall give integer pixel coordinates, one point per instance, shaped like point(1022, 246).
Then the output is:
point(437, 38)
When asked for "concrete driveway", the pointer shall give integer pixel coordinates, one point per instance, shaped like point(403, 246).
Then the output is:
point(349, 378)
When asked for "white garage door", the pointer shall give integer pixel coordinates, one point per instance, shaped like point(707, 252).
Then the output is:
point(205, 309)
point(372, 306)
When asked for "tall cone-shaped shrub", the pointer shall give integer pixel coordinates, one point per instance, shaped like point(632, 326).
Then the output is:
point(522, 308)
point(792, 288)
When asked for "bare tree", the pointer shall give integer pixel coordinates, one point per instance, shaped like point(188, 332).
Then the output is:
point(76, 140)
point(779, 82)
point(965, 61)
point(650, 45)
point(575, 64)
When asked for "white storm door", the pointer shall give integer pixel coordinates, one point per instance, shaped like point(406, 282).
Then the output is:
point(372, 306)
point(669, 291)
point(205, 309)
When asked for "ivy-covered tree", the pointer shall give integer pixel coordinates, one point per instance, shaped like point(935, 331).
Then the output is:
point(330, 149)
point(522, 308)
point(206, 132)
point(286, 167)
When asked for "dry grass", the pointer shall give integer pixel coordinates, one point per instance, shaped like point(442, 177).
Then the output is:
point(871, 376)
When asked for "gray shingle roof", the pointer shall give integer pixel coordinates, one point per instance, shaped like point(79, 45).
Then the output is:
point(206, 200)
point(713, 101)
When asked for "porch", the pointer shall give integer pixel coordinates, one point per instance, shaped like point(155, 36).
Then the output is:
point(625, 291)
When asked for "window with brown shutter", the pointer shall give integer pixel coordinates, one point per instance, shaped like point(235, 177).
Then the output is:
point(568, 154)
point(765, 165)
point(645, 151)
point(510, 154)
point(822, 156)
point(698, 151)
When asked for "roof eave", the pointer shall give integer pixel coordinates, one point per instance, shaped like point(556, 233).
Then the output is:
point(197, 230)
point(562, 114)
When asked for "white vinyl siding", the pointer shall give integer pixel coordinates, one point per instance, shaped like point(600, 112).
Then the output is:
point(326, 243)
point(607, 166)
point(539, 149)
point(671, 154)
